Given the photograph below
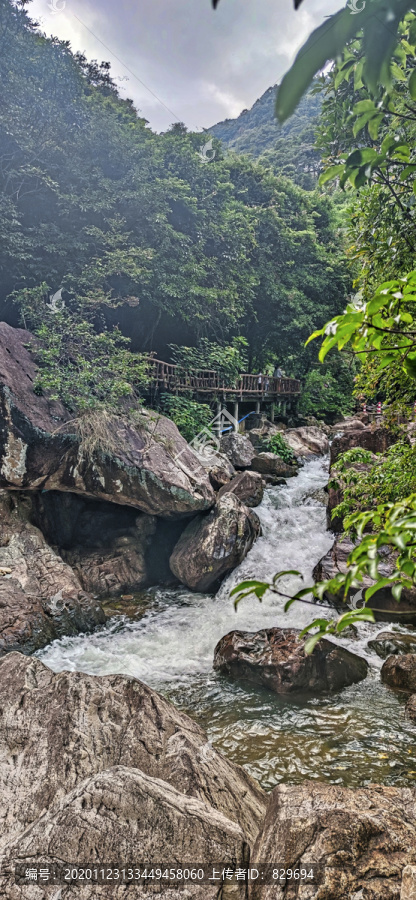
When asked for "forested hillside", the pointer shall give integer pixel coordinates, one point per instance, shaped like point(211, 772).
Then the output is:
point(289, 148)
point(140, 233)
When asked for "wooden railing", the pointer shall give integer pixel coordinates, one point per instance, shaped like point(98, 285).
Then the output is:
point(172, 379)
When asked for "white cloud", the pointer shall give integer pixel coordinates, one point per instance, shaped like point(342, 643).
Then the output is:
point(204, 66)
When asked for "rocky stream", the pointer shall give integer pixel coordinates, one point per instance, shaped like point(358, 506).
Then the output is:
point(142, 718)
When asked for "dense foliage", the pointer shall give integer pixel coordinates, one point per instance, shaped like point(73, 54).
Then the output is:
point(327, 391)
point(368, 479)
point(227, 360)
point(368, 134)
point(289, 149)
point(138, 231)
point(190, 416)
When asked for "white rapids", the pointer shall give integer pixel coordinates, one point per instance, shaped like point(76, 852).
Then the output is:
point(354, 737)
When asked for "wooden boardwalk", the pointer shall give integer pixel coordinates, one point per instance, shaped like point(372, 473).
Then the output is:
point(175, 380)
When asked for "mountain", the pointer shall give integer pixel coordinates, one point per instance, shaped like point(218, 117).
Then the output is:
point(288, 148)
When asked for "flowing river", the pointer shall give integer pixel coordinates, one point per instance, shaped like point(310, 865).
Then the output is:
point(357, 736)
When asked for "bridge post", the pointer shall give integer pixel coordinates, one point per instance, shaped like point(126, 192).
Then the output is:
point(258, 407)
point(236, 415)
point(272, 412)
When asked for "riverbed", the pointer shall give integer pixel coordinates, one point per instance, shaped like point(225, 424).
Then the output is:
point(358, 736)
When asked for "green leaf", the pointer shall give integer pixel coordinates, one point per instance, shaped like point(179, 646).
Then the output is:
point(286, 572)
point(374, 126)
point(326, 42)
point(365, 106)
point(246, 584)
point(311, 643)
point(397, 591)
point(377, 587)
point(330, 173)
point(412, 85)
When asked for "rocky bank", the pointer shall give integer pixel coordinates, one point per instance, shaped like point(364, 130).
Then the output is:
point(103, 769)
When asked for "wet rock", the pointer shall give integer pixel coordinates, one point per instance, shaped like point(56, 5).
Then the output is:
point(400, 672)
point(134, 606)
point(220, 470)
point(238, 449)
point(383, 604)
point(307, 441)
point(215, 544)
point(271, 464)
point(319, 495)
point(65, 732)
point(275, 658)
point(274, 480)
point(391, 643)
point(411, 707)
point(146, 465)
point(334, 523)
point(41, 598)
point(247, 486)
point(360, 840)
point(378, 440)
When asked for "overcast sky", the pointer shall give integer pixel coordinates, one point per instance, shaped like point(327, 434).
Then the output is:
point(204, 66)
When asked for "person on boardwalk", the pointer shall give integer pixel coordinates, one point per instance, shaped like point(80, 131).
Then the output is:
point(277, 371)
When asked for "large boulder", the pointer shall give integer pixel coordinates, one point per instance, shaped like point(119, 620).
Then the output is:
point(41, 598)
point(147, 465)
point(276, 659)
point(214, 544)
point(61, 735)
point(357, 842)
point(123, 814)
point(383, 604)
point(271, 464)
point(378, 440)
point(400, 672)
point(247, 486)
point(307, 441)
point(238, 449)
point(351, 423)
point(392, 643)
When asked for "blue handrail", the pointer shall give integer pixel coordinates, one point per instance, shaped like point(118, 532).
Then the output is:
point(230, 428)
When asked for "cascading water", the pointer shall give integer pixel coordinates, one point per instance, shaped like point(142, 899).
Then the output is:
point(355, 737)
